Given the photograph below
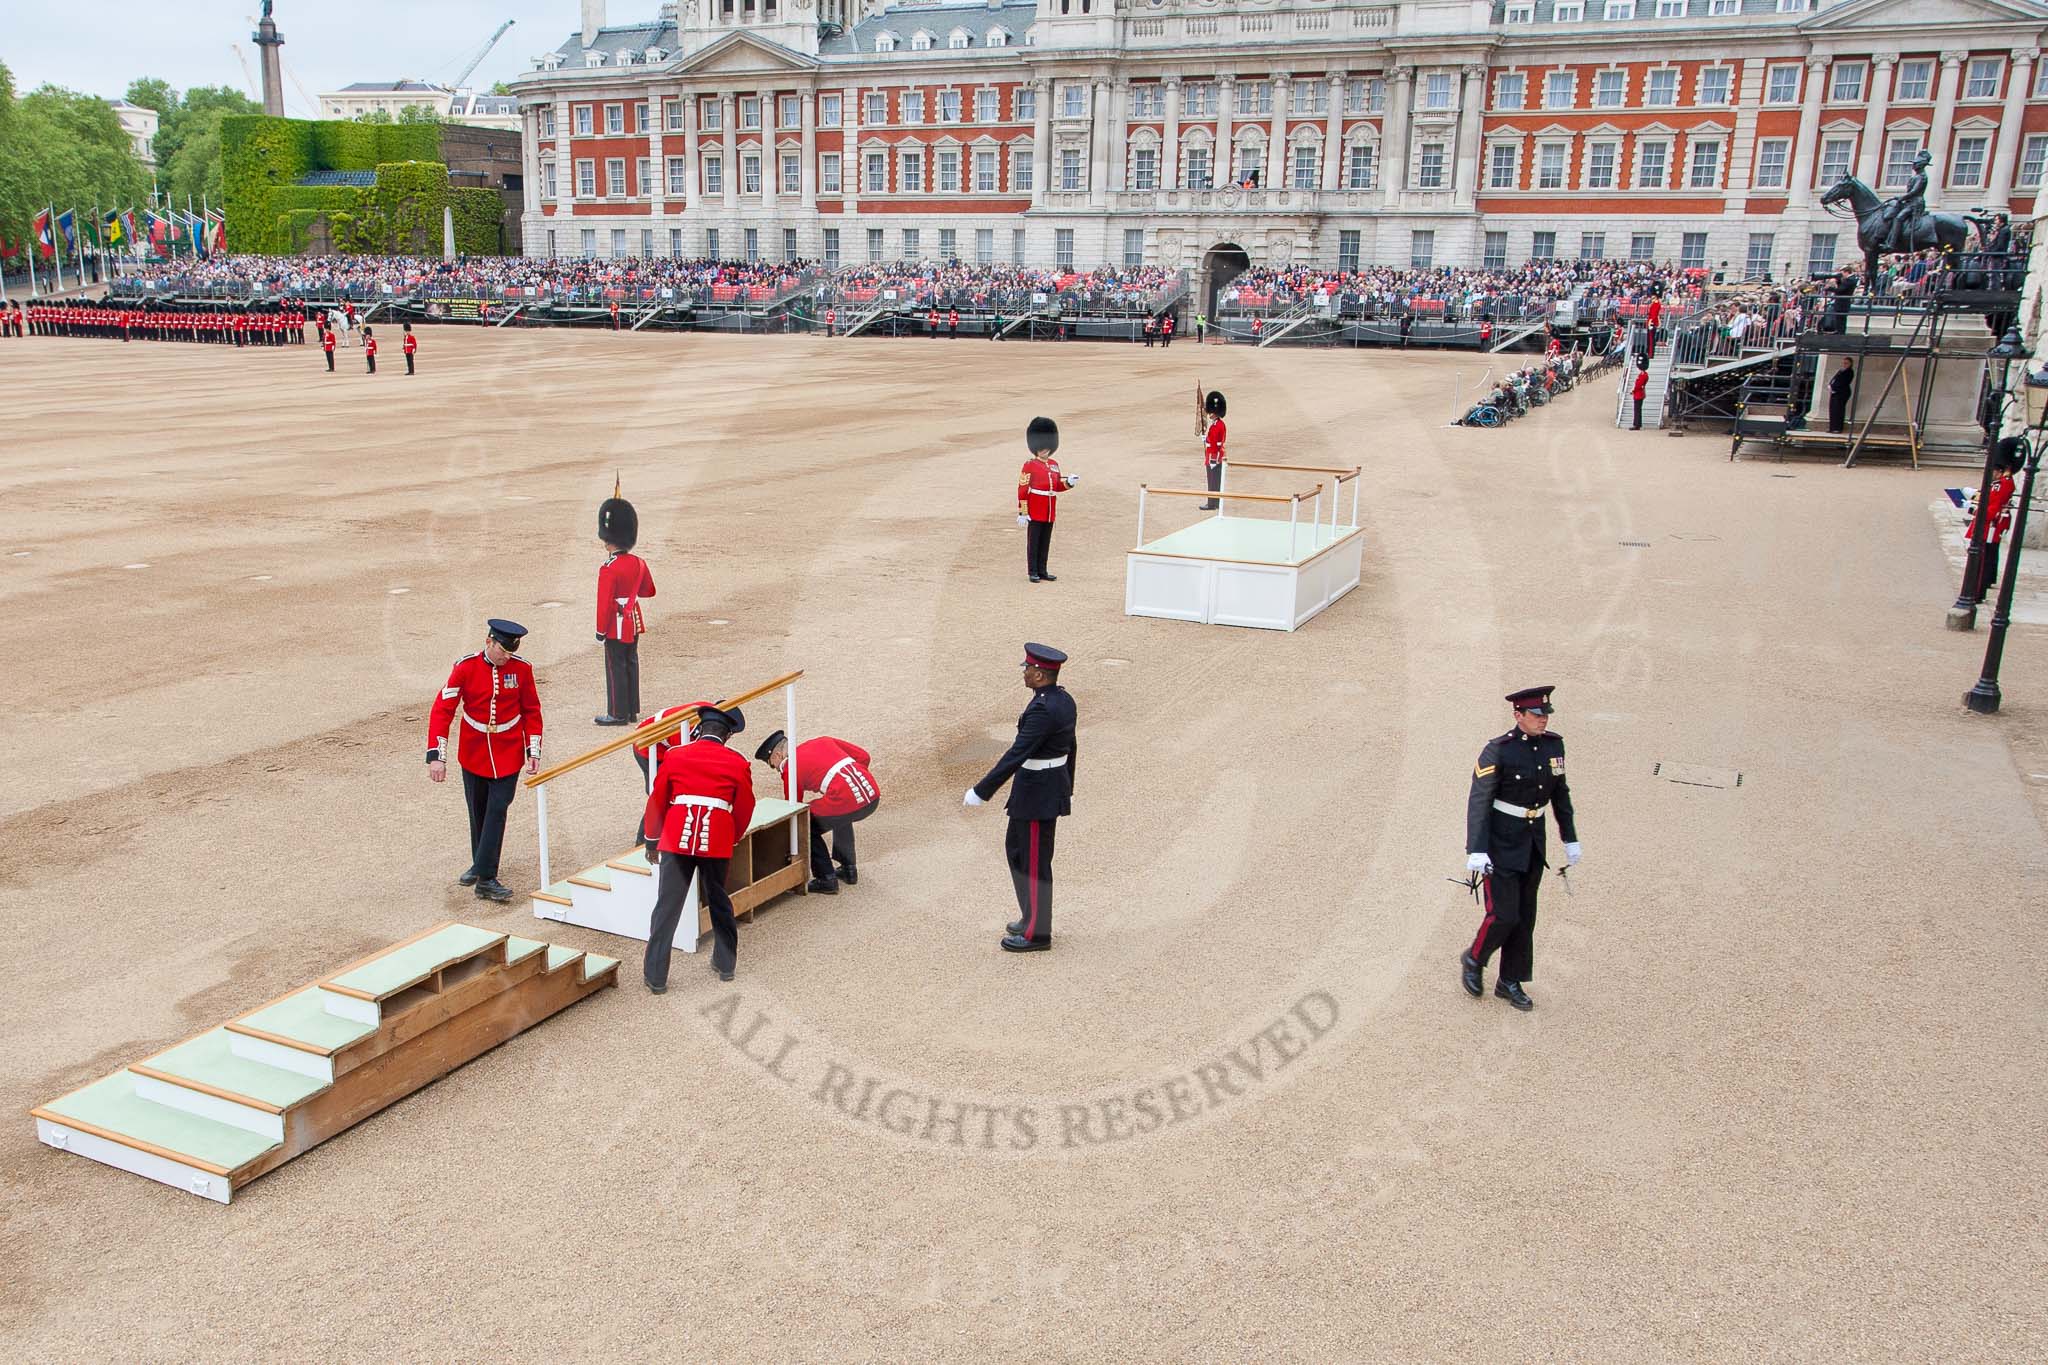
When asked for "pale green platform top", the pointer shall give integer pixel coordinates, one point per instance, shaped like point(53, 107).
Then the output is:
point(1258, 539)
point(559, 957)
point(302, 1016)
point(113, 1105)
point(593, 965)
point(402, 966)
point(208, 1060)
point(519, 949)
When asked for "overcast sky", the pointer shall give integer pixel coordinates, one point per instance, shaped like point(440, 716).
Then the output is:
point(98, 46)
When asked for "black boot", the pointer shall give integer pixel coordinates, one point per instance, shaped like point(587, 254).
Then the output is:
point(1014, 927)
point(1511, 991)
point(822, 886)
point(1474, 986)
point(1017, 943)
point(493, 890)
point(848, 875)
point(468, 878)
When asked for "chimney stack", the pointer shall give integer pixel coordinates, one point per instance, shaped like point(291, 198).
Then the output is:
point(593, 20)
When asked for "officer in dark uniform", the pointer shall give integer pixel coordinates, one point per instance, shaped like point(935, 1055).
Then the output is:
point(1518, 774)
point(1042, 759)
point(1840, 387)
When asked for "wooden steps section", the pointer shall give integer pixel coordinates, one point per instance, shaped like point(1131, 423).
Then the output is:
point(220, 1109)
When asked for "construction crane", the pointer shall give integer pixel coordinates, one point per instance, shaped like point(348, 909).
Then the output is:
point(478, 60)
point(312, 105)
point(248, 72)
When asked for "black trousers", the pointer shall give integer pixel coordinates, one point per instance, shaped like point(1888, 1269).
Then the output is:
point(669, 898)
point(622, 679)
point(408, 362)
point(1510, 923)
point(489, 798)
point(1639, 415)
point(373, 363)
point(1028, 845)
point(1838, 412)
point(1215, 476)
point(1037, 541)
point(330, 362)
point(840, 827)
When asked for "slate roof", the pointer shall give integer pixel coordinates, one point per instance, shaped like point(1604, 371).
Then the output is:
point(634, 38)
point(393, 88)
point(939, 21)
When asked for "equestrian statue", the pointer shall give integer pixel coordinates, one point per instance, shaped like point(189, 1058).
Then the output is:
point(1901, 224)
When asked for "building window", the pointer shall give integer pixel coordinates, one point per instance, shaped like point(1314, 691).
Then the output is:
point(1503, 166)
point(920, 41)
point(875, 246)
point(1915, 79)
point(913, 244)
point(1653, 164)
point(1601, 158)
point(1550, 165)
point(1305, 158)
point(711, 115)
point(949, 106)
point(615, 176)
point(828, 173)
point(1145, 168)
point(672, 116)
point(949, 244)
point(1494, 252)
point(1421, 248)
point(614, 119)
point(1558, 89)
point(1770, 162)
point(832, 247)
point(1063, 248)
point(1820, 253)
point(984, 246)
point(1199, 170)
point(1429, 167)
point(643, 177)
point(750, 174)
point(547, 179)
point(1692, 251)
point(1619, 9)
point(828, 111)
point(985, 171)
point(1982, 81)
point(1706, 166)
point(912, 103)
point(1510, 90)
point(1310, 97)
point(2034, 161)
point(910, 173)
point(1347, 251)
point(618, 243)
point(877, 111)
point(996, 38)
point(1073, 101)
point(675, 242)
point(1661, 88)
point(1198, 98)
point(547, 120)
point(986, 105)
point(1847, 86)
point(1967, 170)
point(1358, 167)
point(789, 244)
point(1722, 8)
point(1543, 246)
point(1898, 160)
point(948, 171)
point(1757, 264)
point(1781, 85)
point(1016, 246)
point(1714, 85)
point(878, 173)
point(1519, 12)
point(1592, 246)
point(1256, 97)
point(1134, 247)
point(1022, 172)
point(753, 241)
point(1568, 11)
point(586, 179)
point(1070, 168)
point(714, 175)
point(582, 120)
point(1642, 246)
point(1837, 154)
point(1671, 9)
point(590, 241)
point(1023, 104)
point(640, 120)
point(792, 173)
point(1610, 89)
point(1436, 90)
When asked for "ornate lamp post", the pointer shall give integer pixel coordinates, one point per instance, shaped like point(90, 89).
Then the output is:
point(2009, 348)
point(1984, 697)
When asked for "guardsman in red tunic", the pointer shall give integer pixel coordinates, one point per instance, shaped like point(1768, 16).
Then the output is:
point(370, 349)
point(1166, 331)
point(327, 347)
point(931, 323)
point(846, 793)
point(702, 802)
point(1996, 507)
point(622, 580)
point(410, 345)
point(1213, 457)
point(1039, 486)
point(953, 324)
point(492, 702)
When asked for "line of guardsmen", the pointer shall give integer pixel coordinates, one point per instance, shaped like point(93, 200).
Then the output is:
point(112, 322)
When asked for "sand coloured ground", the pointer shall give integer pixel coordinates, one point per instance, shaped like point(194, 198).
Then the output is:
point(1780, 1097)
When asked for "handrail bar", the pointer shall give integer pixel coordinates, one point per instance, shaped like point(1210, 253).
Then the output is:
point(657, 729)
point(1350, 472)
point(1244, 497)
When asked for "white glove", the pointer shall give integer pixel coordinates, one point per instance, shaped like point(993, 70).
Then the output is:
point(1023, 520)
point(972, 799)
point(1571, 855)
point(1073, 479)
point(1480, 863)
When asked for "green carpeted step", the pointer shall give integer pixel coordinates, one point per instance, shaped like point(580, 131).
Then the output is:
point(303, 1018)
point(112, 1106)
point(519, 949)
point(560, 957)
point(597, 878)
point(403, 966)
point(593, 965)
point(207, 1059)
point(769, 809)
point(563, 890)
point(637, 859)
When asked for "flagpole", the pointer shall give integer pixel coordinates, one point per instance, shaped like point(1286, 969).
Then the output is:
point(57, 247)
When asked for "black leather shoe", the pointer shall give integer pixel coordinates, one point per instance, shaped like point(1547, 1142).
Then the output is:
point(1017, 943)
point(611, 720)
point(467, 878)
point(1034, 578)
point(493, 890)
point(822, 887)
point(1511, 991)
point(1475, 986)
point(1050, 578)
point(848, 875)
point(1015, 928)
point(653, 989)
point(724, 973)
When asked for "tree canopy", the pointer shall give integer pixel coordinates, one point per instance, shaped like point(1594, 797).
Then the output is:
point(65, 150)
point(188, 136)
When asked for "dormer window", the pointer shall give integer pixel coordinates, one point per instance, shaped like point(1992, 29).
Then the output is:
point(1000, 38)
point(958, 39)
point(625, 56)
point(592, 57)
point(885, 42)
point(655, 54)
point(921, 41)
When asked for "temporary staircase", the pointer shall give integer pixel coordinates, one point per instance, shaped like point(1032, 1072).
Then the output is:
point(507, 318)
point(868, 316)
point(647, 315)
point(1653, 392)
point(219, 1110)
point(1288, 321)
point(1519, 332)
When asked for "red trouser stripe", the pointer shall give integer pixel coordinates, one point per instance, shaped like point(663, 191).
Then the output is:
point(1479, 943)
point(1031, 923)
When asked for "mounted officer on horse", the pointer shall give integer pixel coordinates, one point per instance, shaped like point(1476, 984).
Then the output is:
point(1902, 224)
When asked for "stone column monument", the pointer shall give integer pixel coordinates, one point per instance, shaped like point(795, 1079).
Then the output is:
point(268, 40)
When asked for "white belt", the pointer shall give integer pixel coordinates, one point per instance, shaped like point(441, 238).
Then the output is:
point(837, 768)
point(1039, 765)
point(1043, 492)
point(500, 728)
point(1526, 812)
point(709, 802)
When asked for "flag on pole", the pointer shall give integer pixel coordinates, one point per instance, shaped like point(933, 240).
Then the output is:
point(159, 232)
point(113, 232)
point(196, 230)
point(67, 227)
point(45, 243)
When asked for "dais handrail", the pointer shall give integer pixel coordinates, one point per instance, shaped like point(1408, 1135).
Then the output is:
point(1350, 472)
point(1211, 493)
point(659, 729)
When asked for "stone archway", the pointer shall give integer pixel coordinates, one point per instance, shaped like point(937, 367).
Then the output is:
point(1221, 264)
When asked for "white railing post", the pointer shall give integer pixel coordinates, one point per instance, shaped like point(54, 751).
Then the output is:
point(1356, 479)
point(790, 782)
point(1141, 517)
point(1293, 515)
point(541, 801)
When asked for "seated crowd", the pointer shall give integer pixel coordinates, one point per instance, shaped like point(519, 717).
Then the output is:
point(1002, 288)
point(592, 280)
point(1457, 294)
